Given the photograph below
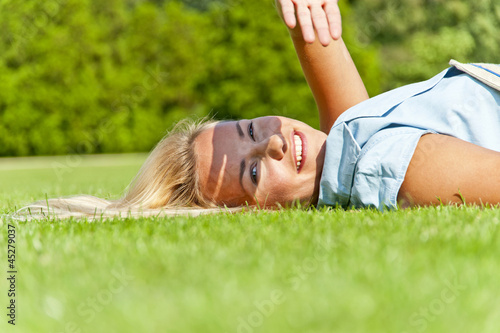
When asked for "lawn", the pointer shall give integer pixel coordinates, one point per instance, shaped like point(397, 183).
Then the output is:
point(421, 270)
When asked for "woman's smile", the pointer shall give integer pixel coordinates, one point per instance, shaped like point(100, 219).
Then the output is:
point(299, 146)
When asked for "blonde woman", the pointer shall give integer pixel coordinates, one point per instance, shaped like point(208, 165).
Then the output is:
point(428, 143)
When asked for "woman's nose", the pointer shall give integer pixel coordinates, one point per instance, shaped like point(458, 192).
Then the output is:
point(273, 147)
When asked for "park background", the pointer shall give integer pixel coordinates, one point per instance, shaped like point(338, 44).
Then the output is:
point(88, 76)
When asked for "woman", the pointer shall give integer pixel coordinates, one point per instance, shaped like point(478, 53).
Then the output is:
point(428, 143)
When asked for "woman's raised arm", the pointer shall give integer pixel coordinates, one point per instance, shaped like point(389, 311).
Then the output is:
point(325, 60)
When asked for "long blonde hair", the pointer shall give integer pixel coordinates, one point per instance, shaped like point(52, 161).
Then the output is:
point(166, 184)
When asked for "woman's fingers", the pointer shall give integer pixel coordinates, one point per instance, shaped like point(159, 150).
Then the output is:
point(305, 21)
point(320, 24)
point(320, 15)
point(288, 10)
point(332, 11)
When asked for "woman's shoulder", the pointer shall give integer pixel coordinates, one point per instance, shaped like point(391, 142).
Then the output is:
point(487, 74)
point(380, 104)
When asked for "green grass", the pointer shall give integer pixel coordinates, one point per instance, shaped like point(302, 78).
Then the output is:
point(422, 270)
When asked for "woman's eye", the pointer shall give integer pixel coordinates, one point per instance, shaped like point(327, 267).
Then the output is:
point(250, 130)
point(253, 173)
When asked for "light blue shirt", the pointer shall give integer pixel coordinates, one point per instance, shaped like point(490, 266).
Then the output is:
point(370, 146)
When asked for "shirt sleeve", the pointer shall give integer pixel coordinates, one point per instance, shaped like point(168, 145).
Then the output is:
point(342, 152)
point(382, 165)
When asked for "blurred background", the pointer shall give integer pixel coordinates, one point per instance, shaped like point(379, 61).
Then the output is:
point(92, 76)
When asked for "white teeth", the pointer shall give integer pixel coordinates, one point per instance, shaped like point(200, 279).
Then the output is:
point(298, 149)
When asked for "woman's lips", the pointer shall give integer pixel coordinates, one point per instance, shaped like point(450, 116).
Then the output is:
point(304, 149)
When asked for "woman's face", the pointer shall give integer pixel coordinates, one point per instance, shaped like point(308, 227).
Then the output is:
point(268, 160)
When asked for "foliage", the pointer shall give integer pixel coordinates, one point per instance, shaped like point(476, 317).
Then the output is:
point(89, 76)
point(418, 37)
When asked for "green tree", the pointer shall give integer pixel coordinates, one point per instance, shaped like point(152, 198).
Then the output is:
point(89, 76)
point(418, 37)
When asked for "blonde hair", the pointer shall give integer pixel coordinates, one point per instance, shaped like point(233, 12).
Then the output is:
point(167, 184)
point(168, 178)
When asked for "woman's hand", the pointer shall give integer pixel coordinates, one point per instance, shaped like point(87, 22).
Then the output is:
point(322, 15)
